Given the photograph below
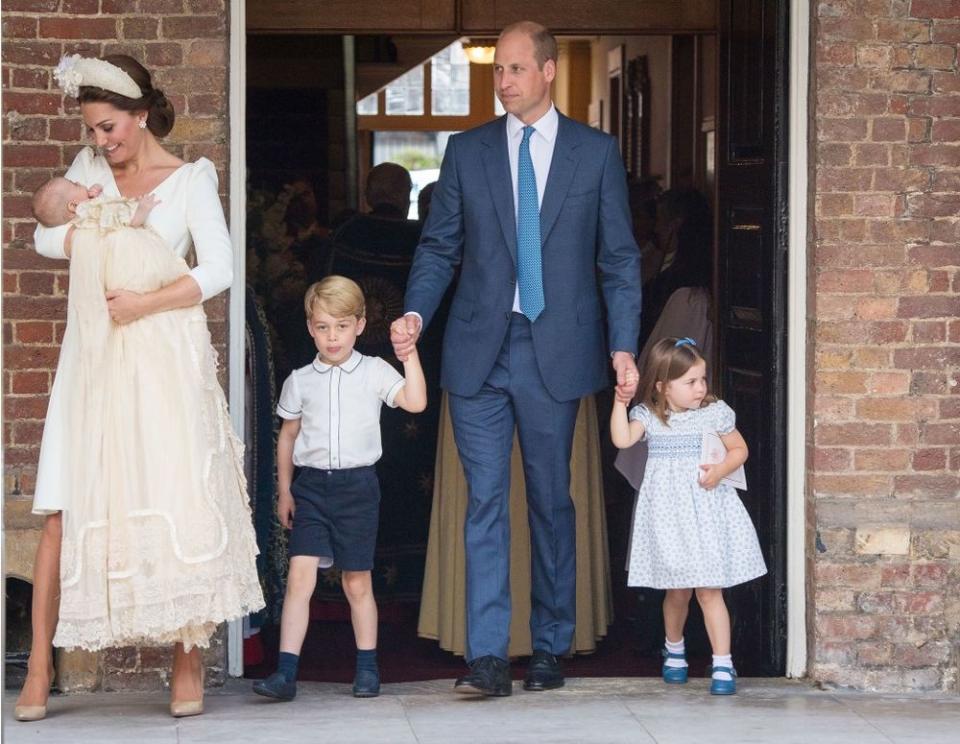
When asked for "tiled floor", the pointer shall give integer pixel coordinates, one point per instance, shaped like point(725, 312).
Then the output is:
point(599, 711)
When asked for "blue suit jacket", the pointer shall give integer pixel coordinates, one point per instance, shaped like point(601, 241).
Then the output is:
point(584, 225)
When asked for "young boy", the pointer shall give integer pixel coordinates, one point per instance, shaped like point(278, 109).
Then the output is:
point(331, 431)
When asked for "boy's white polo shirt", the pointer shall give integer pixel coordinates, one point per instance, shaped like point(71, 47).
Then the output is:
point(339, 410)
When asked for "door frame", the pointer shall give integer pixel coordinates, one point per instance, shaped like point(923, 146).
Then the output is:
point(237, 315)
point(797, 345)
point(798, 184)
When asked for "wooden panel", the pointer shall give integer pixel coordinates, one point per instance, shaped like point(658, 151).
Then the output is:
point(592, 15)
point(349, 16)
point(751, 192)
point(748, 50)
point(479, 16)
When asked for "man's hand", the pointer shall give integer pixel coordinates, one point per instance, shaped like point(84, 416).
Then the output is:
point(125, 306)
point(285, 509)
point(627, 376)
point(404, 333)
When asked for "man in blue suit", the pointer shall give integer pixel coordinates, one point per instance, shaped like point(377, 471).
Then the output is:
point(530, 207)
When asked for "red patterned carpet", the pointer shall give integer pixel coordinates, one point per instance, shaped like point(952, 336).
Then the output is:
point(329, 653)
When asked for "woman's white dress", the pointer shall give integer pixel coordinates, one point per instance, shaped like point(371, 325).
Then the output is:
point(158, 543)
point(685, 536)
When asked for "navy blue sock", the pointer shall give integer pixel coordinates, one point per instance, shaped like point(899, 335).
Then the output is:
point(367, 660)
point(287, 666)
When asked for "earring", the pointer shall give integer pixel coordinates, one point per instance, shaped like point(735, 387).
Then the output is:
point(142, 123)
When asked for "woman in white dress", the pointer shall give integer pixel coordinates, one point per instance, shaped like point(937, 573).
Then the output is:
point(166, 552)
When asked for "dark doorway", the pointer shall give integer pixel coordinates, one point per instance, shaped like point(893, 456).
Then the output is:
point(736, 152)
point(19, 595)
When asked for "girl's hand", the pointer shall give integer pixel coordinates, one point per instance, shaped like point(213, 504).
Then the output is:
point(710, 477)
point(125, 306)
point(285, 510)
point(628, 381)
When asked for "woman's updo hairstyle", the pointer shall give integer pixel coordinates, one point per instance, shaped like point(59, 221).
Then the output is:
point(160, 113)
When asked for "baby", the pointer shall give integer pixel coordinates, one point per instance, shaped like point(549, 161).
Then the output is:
point(61, 200)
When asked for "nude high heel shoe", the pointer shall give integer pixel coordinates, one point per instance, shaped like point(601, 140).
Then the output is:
point(32, 712)
point(185, 708)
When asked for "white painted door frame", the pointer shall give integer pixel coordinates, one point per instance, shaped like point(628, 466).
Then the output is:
point(796, 311)
point(237, 108)
point(799, 71)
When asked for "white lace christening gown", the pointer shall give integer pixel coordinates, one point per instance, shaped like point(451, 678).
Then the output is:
point(158, 542)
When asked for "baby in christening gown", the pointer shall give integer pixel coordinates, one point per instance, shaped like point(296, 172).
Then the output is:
point(158, 545)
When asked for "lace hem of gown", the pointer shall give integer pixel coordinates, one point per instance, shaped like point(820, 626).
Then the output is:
point(190, 620)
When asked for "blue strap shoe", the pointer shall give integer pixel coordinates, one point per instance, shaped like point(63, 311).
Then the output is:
point(366, 684)
point(723, 686)
point(674, 675)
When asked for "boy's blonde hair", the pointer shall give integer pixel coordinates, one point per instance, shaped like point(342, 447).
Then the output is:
point(337, 296)
point(669, 360)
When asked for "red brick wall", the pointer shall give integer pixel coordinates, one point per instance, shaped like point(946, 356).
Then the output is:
point(886, 398)
point(185, 44)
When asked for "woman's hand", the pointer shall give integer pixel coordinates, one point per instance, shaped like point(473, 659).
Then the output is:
point(125, 306)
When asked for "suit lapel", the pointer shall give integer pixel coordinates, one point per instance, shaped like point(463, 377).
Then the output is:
point(562, 168)
point(497, 167)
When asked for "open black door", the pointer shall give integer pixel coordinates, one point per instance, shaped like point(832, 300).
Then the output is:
point(751, 294)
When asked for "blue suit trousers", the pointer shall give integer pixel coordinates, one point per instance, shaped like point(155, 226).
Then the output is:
point(514, 396)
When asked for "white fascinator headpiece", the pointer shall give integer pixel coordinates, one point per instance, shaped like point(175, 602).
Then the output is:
point(74, 71)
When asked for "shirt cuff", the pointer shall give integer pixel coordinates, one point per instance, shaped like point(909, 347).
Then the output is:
point(288, 415)
point(392, 395)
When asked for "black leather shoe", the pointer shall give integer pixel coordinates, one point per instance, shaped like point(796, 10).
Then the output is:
point(366, 684)
point(543, 673)
point(489, 675)
point(276, 686)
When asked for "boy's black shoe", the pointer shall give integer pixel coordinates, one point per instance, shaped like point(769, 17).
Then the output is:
point(276, 686)
point(366, 684)
point(543, 673)
point(489, 675)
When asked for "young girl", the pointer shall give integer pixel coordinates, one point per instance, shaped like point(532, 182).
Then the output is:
point(690, 531)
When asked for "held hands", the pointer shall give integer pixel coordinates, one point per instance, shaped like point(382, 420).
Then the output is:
point(404, 334)
point(627, 377)
point(285, 509)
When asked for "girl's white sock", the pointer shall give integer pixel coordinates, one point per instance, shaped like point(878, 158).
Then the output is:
point(722, 661)
point(674, 648)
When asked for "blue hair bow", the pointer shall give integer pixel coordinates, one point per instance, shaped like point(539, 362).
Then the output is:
point(687, 341)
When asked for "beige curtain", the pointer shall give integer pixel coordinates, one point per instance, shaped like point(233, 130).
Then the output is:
point(442, 613)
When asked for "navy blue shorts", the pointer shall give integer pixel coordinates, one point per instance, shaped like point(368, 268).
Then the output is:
point(336, 517)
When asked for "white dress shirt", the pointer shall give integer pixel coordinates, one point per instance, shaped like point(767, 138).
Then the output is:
point(541, 153)
point(339, 410)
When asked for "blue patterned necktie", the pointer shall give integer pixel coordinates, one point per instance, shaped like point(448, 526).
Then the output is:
point(529, 250)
